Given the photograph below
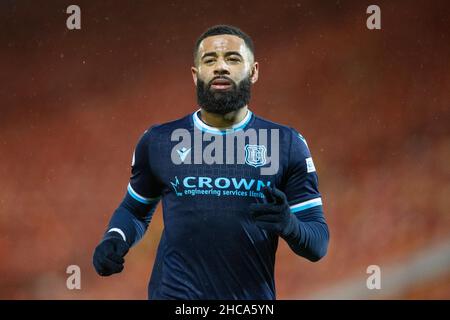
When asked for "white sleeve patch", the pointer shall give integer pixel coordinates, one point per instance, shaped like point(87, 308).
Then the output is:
point(310, 165)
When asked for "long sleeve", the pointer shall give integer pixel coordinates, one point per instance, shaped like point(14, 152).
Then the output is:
point(308, 234)
point(131, 219)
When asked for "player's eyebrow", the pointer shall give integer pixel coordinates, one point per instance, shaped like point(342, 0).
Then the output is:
point(214, 54)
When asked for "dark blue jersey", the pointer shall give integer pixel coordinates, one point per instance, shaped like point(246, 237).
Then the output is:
point(206, 178)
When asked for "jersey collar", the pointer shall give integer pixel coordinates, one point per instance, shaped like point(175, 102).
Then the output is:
point(213, 130)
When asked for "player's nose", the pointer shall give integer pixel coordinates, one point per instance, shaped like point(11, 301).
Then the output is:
point(221, 68)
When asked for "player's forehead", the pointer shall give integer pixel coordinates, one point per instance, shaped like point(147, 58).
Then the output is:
point(222, 44)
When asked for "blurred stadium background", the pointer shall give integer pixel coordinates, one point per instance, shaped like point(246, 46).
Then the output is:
point(373, 105)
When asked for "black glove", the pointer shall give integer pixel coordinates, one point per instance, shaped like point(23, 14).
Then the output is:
point(108, 255)
point(274, 214)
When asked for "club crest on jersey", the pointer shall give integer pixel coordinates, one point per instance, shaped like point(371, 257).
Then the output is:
point(255, 155)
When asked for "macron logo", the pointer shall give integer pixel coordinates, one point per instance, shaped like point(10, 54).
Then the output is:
point(183, 152)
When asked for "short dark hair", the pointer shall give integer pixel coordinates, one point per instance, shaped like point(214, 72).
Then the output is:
point(225, 29)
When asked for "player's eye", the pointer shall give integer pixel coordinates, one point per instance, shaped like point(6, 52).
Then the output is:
point(234, 59)
point(208, 61)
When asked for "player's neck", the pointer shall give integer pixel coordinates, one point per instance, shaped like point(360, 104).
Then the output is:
point(223, 120)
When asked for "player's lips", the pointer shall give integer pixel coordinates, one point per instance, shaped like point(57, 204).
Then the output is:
point(221, 84)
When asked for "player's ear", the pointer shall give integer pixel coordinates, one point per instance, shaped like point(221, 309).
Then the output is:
point(194, 74)
point(254, 72)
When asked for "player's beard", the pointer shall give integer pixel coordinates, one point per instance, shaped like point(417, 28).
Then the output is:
point(225, 101)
